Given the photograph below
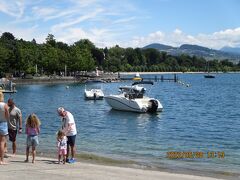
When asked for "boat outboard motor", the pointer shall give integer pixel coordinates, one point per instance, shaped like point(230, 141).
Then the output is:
point(153, 106)
point(94, 96)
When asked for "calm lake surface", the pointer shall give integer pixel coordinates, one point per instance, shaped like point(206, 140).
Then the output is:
point(204, 117)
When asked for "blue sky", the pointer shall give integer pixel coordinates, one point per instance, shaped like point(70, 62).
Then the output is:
point(128, 23)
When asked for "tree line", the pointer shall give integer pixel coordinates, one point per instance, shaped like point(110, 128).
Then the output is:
point(20, 56)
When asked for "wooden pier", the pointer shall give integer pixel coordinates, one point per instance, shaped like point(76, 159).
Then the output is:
point(155, 78)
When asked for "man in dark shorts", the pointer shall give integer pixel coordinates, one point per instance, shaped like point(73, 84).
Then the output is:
point(14, 123)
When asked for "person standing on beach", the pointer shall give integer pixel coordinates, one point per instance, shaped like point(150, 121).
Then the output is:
point(32, 131)
point(14, 124)
point(4, 115)
point(69, 128)
point(62, 146)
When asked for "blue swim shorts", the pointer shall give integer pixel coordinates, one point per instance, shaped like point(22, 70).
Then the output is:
point(3, 128)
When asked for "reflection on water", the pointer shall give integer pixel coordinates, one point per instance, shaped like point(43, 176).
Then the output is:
point(139, 120)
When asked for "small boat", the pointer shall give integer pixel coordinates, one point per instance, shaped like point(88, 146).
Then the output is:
point(7, 86)
point(93, 92)
point(208, 75)
point(132, 99)
point(137, 77)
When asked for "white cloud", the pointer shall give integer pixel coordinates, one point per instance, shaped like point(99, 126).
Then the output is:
point(71, 20)
point(44, 12)
point(48, 13)
point(100, 37)
point(124, 20)
point(84, 3)
point(25, 33)
point(177, 31)
point(14, 9)
point(142, 41)
point(69, 23)
point(104, 22)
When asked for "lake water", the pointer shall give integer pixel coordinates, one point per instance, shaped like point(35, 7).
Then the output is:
point(204, 117)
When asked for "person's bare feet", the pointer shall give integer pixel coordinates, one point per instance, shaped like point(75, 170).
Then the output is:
point(26, 161)
point(3, 163)
point(11, 155)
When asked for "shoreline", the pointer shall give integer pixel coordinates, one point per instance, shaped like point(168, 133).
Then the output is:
point(47, 168)
point(45, 80)
point(103, 161)
point(61, 80)
point(105, 77)
point(125, 163)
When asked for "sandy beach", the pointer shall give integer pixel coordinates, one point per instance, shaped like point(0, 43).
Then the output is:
point(47, 168)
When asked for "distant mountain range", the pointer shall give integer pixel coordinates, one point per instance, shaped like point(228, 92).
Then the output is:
point(233, 54)
point(231, 50)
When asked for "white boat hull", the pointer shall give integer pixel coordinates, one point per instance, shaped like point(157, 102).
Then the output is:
point(142, 105)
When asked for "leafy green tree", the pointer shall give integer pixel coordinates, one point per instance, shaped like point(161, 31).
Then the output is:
point(7, 36)
point(82, 57)
point(50, 40)
point(98, 56)
point(85, 43)
point(172, 62)
point(226, 62)
point(5, 54)
point(140, 56)
point(185, 60)
point(116, 55)
point(152, 56)
point(49, 59)
point(131, 56)
point(17, 56)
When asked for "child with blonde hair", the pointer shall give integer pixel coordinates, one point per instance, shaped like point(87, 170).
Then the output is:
point(62, 146)
point(32, 131)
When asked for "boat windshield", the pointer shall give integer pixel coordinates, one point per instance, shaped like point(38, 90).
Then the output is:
point(133, 91)
point(93, 86)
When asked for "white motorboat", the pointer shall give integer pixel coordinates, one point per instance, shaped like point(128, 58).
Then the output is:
point(132, 98)
point(93, 93)
point(7, 86)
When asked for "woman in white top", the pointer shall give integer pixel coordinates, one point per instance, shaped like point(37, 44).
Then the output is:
point(4, 115)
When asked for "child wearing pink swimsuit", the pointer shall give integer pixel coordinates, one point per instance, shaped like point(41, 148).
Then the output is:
point(62, 146)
